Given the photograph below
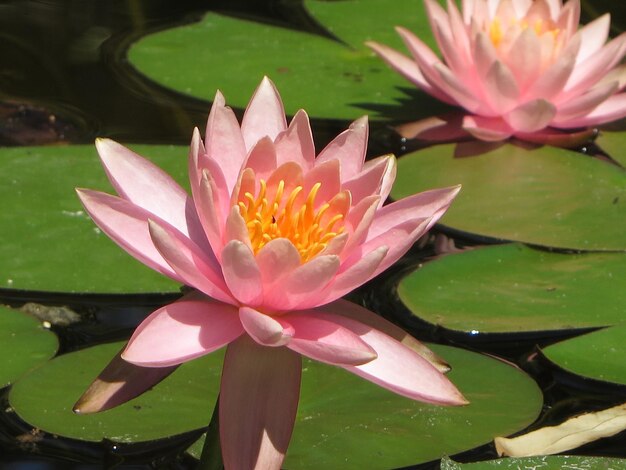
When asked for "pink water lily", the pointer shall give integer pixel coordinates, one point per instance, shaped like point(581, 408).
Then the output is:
point(270, 239)
point(519, 67)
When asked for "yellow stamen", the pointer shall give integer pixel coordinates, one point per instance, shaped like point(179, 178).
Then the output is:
point(304, 225)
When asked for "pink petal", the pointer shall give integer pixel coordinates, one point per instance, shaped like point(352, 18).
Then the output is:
point(182, 331)
point(444, 128)
point(531, 116)
point(485, 54)
point(211, 217)
point(584, 104)
point(349, 148)
point(327, 173)
point(296, 143)
point(276, 259)
point(459, 32)
point(236, 228)
point(466, 93)
point(241, 273)
point(399, 368)
point(224, 142)
point(357, 273)
point(264, 116)
point(501, 88)
point(303, 284)
point(568, 18)
point(360, 218)
point(440, 26)
point(196, 268)
point(127, 225)
point(524, 59)
point(258, 403)
point(318, 336)
point(363, 315)
point(262, 158)
point(407, 68)
point(612, 109)
point(594, 36)
point(370, 180)
point(263, 328)
point(144, 184)
point(487, 129)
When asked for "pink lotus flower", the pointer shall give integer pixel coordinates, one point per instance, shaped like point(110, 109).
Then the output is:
point(519, 67)
point(271, 239)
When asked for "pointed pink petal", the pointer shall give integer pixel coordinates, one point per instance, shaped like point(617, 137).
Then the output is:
point(327, 173)
point(370, 180)
point(357, 273)
point(296, 143)
point(594, 35)
point(487, 129)
point(264, 329)
point(211, 217)
point(241, 273)
point(365, 316)
point(399, 368)
point(258, 403)
point(406, 67)
point(182, 331)
point(318, 336)
point(264, 116)
point(224, 142)
point(531, 116)
point(276, 259)
point(262, 158)
point(501, 88)
point(349, 148)
point(127, 225)
point(303, 283)
point(196, 268)
point(466, 93)
point(459, 32)
point(612, 109)
point(568, 18)
point(360, 218)
point(485, 54)
point(440, 25)
point(144, 184)
point(236, 228)
point(584, 104)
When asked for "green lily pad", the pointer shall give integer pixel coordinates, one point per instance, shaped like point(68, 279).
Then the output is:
point(513, 288)
point(597, 355)
point(614, 144)
point(24, 344)
point(346, 422)
point(49, 242)
point(335, 79)
point(544, 462)
point(182, 402)
point(545, 196)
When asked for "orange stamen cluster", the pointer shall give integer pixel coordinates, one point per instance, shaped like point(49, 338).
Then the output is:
point(286, 215)
point(497, 34)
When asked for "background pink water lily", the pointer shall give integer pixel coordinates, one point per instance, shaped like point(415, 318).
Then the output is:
point(519, 67)
point(271, 238)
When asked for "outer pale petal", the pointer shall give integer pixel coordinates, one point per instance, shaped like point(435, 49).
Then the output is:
point(263, 328)
point(613, 108)
point(182, 331)
point(127, 225)
point(349, 148)
point(400, 369)
point(594, 36)
point(264, 116)
point(363, 315)
point(258, 402)
point(296, 143)
point(224, 142)
point(531, 116)
point(376, 172)
point(241, 273)
point(487, 129)
point(196, 268)
point(584, 104)
point(318, 336)
point(144, 184)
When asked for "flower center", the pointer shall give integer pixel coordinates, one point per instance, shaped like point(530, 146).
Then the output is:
point(498, 32)
point(289, 215)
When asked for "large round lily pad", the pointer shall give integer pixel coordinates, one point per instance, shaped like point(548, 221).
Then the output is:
point(49, 243)
point(544, 196)
point(346, 422)
point(181, 403)
point(549, 462)
point(24, 344)
point(513, 288)
point(336, 79)
point(597, 355)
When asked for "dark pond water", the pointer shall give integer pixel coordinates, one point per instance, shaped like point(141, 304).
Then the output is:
point(63, 79)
